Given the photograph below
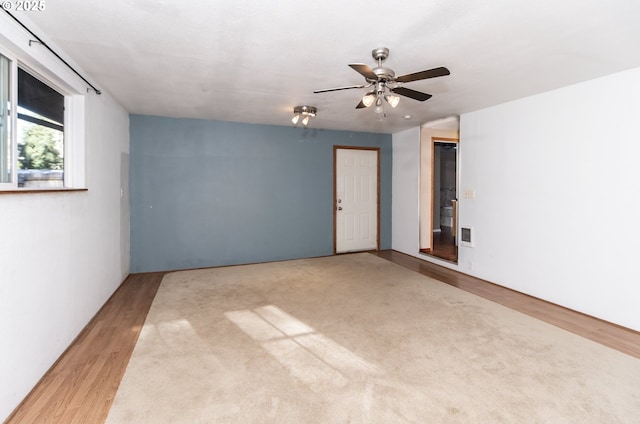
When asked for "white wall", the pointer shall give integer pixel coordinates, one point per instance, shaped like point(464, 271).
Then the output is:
point(556, 211)
point(405, 228)
point(61, 254)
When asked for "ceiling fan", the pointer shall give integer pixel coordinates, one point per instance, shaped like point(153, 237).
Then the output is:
point(382, 78)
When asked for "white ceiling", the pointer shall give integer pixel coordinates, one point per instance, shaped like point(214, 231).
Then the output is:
point(252, 61)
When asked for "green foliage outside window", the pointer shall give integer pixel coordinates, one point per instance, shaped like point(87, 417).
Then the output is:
point(39, 149)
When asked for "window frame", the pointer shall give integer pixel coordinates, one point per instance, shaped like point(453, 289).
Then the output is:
point(13, 120)
point(74, 114)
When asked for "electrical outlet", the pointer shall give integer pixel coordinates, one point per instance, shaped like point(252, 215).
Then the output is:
point(469, 194)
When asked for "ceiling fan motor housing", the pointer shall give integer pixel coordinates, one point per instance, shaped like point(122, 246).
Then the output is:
point(383, 73)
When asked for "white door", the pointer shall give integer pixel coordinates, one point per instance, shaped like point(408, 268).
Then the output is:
point(356, 202)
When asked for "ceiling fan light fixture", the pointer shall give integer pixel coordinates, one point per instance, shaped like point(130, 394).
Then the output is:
point(369, 99)
point(392, 100)
point(381, 78)
point(305, 112)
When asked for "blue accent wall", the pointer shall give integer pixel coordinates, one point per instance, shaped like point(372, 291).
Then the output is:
point(210, 193)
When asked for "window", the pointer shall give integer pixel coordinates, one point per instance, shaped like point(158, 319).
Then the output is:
point(32, 134)
point(40, 133)
point(6, 160)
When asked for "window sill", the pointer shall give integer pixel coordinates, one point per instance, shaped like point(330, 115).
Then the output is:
point(41, 190)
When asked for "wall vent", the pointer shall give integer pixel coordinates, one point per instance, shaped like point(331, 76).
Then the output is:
point(465, 236)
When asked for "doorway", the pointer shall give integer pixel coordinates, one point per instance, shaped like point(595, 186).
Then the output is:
point(356, 188)
point(445, 200)
point(443, 208)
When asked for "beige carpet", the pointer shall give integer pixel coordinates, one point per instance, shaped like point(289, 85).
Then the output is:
point(357, 339)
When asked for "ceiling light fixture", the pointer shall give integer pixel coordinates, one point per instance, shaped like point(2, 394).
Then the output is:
point(306, 112)
point(375, 98)
point(369, 99)
point(385, 84)
point(392, 100)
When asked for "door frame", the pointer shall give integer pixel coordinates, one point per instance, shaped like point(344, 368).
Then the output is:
point(435, 140)
point(335, 193)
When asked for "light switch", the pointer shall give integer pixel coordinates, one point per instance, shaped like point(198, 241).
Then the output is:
point(469, 194)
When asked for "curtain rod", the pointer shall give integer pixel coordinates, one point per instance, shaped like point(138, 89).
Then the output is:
point(39, 41)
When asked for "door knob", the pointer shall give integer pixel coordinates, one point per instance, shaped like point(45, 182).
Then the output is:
point(339, 208)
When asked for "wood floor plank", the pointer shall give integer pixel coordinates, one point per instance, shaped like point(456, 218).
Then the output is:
point(81, 385)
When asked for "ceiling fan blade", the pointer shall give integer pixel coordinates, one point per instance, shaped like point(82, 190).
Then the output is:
point(361, 105)
point(364, 70)
point(416, 95)
point(431, 73)
point(339, 88)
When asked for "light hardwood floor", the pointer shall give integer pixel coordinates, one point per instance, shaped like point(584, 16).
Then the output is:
point(444, 246)
point(81, 385)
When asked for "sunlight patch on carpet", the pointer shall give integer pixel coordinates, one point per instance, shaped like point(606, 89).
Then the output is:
point(357, 339)
point(317, 361)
